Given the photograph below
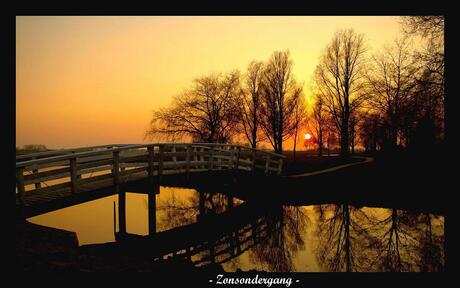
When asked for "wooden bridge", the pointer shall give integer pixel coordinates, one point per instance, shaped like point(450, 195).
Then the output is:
point(77, 173)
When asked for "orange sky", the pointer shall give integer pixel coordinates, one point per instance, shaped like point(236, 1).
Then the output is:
point(95, 80)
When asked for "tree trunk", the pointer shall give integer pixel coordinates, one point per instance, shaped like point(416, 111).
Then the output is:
point(344, 133)
point(320, 142)
point(295, 143)
point(344, 139)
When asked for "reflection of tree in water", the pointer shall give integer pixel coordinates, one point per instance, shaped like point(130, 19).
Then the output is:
point(178, 211)
point(408, 242)
point(342, 238)
point(277, 251)
point(397, 242)
point(352, 239)
point(432, 244)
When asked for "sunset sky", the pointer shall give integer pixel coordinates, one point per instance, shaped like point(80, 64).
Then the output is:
point(84, 81)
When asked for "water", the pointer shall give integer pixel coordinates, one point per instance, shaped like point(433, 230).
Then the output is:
point(332, 237)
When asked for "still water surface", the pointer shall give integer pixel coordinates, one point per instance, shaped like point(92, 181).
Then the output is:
point(332, 237)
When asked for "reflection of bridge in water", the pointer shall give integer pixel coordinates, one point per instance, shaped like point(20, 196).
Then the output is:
point(221, 245)
point(52, 180)
point(221, 230)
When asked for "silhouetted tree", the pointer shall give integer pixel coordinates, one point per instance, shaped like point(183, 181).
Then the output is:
point(279, 98)
point(207, 112)
point(250, 103)
point(430, 59)
point(432, 244)
point(319, 123)
point(338, 79)
point(392, 82)
point(300, 117)
point(370, 132)
point(355, 118)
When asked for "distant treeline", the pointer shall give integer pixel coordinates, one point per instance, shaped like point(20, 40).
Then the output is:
point(31, 148)
point(385, 100)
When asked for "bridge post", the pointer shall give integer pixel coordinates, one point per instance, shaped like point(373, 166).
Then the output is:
point(121, 211)
point(187, 159)
point(267, 163)
point(116, 167)
point(20, 183)
point(202, 157)
point(78, 175)
point(280, 165)
point(237, 161)
point(195, 158)
point(160, 163)
point(37, 185)
point(211, 158)
point(73, 175)
point(174, 157)
point(150, 150)
point(152, 213)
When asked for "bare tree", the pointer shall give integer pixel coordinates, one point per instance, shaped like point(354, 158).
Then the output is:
point(249, 106)
point(300, 117)
point(431, 58)
point(427, 26)
point(370, 132)
point(391, 85)
point(318, 123)
point(279, 98)
point(339, 80)
point(206, 112)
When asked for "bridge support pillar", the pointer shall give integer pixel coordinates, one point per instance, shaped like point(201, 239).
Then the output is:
point(152, 204)
point(121, 211)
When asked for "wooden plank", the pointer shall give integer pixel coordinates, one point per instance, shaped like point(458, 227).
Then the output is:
point(133, 171)
point(96, 178)
point(48, 178)
point(135, 165)
point(51, 188)
point(47, 165)
point(141, 158)
point(95, 158)
point(95, 169)
point(95, 164)
point(44, 174)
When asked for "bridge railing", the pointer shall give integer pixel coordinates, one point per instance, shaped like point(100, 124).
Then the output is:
point(78, 167)
point(44, 154)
